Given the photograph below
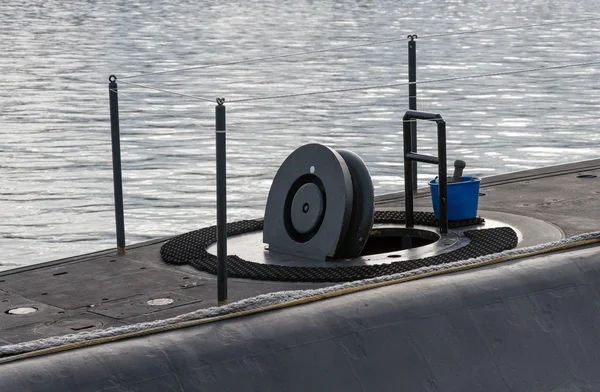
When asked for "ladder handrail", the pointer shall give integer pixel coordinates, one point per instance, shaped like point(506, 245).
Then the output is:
point(410, 157)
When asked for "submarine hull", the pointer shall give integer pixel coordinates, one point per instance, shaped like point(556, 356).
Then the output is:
point(517, 326)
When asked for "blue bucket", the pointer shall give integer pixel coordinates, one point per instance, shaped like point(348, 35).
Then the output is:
point(463, 198)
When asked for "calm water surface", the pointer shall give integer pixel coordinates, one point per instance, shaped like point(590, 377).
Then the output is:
point(56, 196)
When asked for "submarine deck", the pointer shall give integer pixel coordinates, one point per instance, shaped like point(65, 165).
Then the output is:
point(104, 289)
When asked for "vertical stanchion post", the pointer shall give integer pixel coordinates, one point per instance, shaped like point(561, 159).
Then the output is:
point(220, 130)
point(442, 176)
point(408, 165)
point(116, 159)
point(412, 100)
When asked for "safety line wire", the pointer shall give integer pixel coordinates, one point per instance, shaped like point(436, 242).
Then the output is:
point(231, 127)
point(168, 91)
point(455, 124)
point(383, 86)
point(370, 43)
point(258, 59)
point(130, 99)
point(63, 77)
point(493, 29)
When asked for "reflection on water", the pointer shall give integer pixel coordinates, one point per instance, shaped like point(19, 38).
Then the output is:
point(55, 160)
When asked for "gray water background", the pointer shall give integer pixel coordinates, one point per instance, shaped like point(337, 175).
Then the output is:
point(56, 197)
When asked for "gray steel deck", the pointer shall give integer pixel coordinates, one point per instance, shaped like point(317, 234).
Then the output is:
point(103, 289)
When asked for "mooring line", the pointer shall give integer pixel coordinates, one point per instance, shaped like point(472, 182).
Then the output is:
point(383, 86)
point(370, 43)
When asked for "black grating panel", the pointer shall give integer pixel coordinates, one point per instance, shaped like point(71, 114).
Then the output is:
point(190, 248)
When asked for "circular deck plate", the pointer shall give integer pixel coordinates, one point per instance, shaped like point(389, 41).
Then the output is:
point(21, 310)
point(530, 231)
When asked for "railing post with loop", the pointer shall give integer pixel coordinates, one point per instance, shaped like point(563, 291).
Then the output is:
point(220, 130)
point(412, 99)
point(442, 175)
point(116, 160)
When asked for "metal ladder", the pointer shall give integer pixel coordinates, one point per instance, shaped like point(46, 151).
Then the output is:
point(410, 157)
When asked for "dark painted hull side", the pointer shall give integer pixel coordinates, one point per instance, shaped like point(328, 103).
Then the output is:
point(529, 325)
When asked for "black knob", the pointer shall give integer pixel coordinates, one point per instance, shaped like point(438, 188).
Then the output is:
point(458, 170)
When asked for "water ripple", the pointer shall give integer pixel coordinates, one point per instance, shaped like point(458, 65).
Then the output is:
point(55, 159)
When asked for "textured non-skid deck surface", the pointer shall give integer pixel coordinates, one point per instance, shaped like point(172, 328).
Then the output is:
point(103, 290)
point(191, 248)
